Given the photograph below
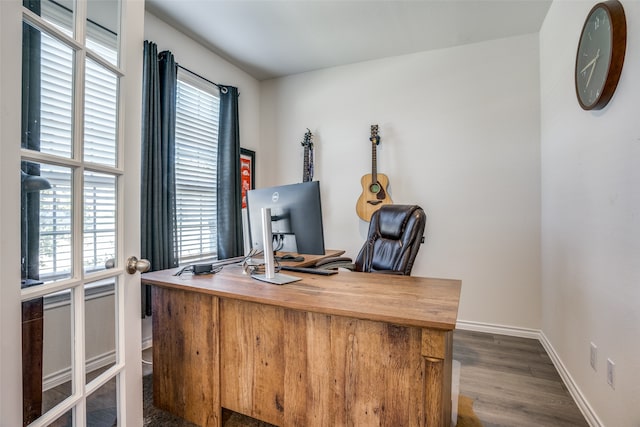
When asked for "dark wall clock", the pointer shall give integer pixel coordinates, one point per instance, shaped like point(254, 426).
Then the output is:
point(600, 56)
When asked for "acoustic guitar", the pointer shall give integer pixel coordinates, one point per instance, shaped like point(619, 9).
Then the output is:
point(374, 185)
point(307, 162)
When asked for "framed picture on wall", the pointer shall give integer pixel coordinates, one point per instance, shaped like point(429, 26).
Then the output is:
point(247, 173)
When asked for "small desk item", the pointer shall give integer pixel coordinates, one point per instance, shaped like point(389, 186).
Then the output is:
point(309, 259)
point(289, 257)
point(323, 351)
point(321, 271)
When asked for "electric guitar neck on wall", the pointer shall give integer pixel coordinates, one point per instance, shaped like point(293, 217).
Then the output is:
point(374, 185)
point(307, 162)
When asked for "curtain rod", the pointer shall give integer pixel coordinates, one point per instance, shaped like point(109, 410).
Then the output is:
point(222, 88)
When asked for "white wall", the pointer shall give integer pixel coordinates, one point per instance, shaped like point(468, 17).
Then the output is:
point(100, 324)
point(591, 218)
point(459, 136)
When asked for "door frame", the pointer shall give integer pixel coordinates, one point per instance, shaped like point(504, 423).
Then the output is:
point(130, 298)
point(10, 300)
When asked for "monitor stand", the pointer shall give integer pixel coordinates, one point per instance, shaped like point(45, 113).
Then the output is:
point(277, 279)
point(270, 276)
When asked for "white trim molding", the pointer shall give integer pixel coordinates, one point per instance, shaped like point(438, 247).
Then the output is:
point(467, 325)
point(147, 342)
point(567, 379)
point(575, 392)
point(64, 375)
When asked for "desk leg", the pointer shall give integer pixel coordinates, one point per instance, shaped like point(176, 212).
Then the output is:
point(186, 370)
point(437, 349)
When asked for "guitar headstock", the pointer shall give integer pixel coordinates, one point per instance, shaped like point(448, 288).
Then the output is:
point(308, 139)
point(375, 139)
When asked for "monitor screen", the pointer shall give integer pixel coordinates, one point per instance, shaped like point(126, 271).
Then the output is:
point(296, 217)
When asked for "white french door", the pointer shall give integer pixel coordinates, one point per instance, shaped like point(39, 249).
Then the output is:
point(70, 129)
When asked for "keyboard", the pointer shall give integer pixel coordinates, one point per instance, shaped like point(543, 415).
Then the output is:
point(311, 270)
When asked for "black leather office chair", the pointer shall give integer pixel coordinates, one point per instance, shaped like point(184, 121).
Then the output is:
point(394, 238)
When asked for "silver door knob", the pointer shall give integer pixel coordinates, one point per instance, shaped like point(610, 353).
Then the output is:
point(134, 264)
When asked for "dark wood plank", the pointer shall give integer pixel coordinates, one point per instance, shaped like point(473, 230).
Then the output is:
point(513, 382)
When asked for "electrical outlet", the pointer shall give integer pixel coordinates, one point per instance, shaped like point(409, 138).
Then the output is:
point(611, 373)
point(594, 356)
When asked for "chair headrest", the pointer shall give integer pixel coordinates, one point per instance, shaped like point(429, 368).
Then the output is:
point(393, 219)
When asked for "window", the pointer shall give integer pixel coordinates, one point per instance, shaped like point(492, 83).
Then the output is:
point(197, 108)
point(56, 138)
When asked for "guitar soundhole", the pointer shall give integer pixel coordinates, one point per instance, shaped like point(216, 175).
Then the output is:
point(375, 188)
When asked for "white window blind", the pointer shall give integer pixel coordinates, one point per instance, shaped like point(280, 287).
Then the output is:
point(197, 109)
point(56, 137)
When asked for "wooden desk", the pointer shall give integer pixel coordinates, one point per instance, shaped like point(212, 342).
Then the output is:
point(352, 349)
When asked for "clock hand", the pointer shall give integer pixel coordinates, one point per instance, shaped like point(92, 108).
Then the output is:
point(593, 67)
point(591, 62)
point(590, 74)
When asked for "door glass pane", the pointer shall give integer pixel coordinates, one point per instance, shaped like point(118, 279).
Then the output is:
point(47, 92)
point(103, 27)
point(99, 220)
point(57, 349)
point(58, 12)
point(46, 223)
point(100, 327)
point(65, 420)
point(100, 118)
point(102, 409)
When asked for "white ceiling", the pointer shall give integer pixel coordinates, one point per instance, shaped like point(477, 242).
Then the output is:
point(272, 38)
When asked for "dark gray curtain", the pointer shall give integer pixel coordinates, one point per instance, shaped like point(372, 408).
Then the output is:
point(158, 204)
point(30, 200)
point(230, 242)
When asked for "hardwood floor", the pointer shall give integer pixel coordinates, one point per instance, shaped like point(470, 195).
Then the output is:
point(512, 382)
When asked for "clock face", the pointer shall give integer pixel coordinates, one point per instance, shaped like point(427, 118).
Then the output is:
point(600, 55)
point(594, 57)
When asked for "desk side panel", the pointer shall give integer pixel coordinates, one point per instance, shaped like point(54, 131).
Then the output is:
point(309, 373)
point(252, 359)
point(379, 373)
point(294, 368)
point(186, 355)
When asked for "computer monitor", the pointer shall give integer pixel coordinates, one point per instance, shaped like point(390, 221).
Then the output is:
point(296, 217)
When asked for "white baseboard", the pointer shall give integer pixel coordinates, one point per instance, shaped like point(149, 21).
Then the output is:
point(586, 409)
point(64, 375)
point(575, 392)
point(467, 325)
point(147, 343)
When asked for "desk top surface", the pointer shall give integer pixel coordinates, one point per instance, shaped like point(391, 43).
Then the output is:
point(403, 300)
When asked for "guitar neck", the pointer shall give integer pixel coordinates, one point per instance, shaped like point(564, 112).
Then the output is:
point(305, 165)
point(307, 157)
point(374, 162)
